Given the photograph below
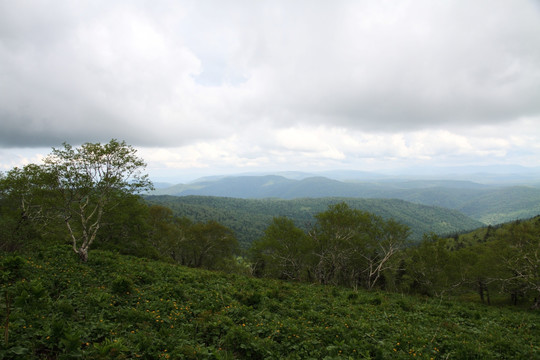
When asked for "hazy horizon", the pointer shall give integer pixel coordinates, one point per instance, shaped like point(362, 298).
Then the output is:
point(508, 174)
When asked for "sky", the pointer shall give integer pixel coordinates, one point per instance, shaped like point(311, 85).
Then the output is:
point(207, 87)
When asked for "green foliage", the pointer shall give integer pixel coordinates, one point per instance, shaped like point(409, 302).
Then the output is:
point(249, 218)
point(430, 268)
point(284, 252)
point(493, 261)
point(74, 186)
point(346, 247)
point(122, 286)
point(208, 245)
point(519, 249)
point(26, 207)
point(502, 205)
point(127, 229)
point(89, 179)
point(11, 268)
point(177, 312)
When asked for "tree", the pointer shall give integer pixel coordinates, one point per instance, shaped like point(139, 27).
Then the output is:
point(126, 228)
point(168, 233)
point(338, 235)
point(519, 249)
point(90, 179)
point(431, 268)
point(162, 229)
point(284, 250)
point(482, 267)
point(386, 241)
point(25, 203)
point(354, 247)
point(209, 245)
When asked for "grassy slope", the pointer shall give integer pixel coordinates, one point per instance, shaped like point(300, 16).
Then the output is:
point(122, 307)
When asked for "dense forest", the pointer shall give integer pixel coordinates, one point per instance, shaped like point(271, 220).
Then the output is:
point(248, 218)
point(490, 204)
point(91, 269)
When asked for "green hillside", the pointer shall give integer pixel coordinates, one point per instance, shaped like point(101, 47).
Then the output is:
point(502, 205)
point(489, 204)
point(249, 218)
point(119, 307)
point(485, 234)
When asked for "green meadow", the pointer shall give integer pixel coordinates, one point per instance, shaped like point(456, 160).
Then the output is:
point(122, 307)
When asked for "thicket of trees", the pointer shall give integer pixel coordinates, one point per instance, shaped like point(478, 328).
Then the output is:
point(358, 249)
point(76, 186)
point(88, 197)
point(345, 247)
point(208, 245)
point(505, 261)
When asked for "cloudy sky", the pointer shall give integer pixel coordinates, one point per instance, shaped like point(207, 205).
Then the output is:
point(211, 87)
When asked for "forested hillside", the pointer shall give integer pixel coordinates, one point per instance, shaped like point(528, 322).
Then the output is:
point(489, 204)
point(502, 205)
point(249, 217)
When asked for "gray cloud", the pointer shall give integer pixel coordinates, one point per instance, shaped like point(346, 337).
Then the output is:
point(175, 73)
point(407, 69)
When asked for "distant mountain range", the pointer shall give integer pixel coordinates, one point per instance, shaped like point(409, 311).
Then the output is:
point(489, 203)
point(492, 175)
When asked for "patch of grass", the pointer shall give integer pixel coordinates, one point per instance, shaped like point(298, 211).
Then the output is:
point(121, 307)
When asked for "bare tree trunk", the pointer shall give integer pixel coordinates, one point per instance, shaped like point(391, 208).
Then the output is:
point(481, 290)
point(83, 254)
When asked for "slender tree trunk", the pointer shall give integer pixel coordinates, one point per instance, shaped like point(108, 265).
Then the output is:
point(6, 328)
point(83, 254)
point(481, 290)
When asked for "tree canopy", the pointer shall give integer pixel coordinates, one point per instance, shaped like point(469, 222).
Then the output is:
point(345, 247)
point(77, 185)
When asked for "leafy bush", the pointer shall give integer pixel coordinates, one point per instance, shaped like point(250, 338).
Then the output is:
point(122, 286)
point(179, 312)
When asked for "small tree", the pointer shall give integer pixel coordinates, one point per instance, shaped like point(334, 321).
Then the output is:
point(339, 234)
point(354, 247)
point(126, 229)
point(431, 268)
point(519, 249)
point(25, 203)
point(210, 244)
point(88, 179)
point(284, 251)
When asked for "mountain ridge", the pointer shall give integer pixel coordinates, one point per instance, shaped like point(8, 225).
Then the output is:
point(488, 203)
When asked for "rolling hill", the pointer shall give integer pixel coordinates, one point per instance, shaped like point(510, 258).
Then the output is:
point(489, 204)
point(248, 218)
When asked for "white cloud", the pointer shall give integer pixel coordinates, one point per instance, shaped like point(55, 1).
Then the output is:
point(19, 157)
point(275, 83)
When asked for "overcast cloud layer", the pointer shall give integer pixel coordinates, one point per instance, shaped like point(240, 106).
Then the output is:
point(274, 84)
